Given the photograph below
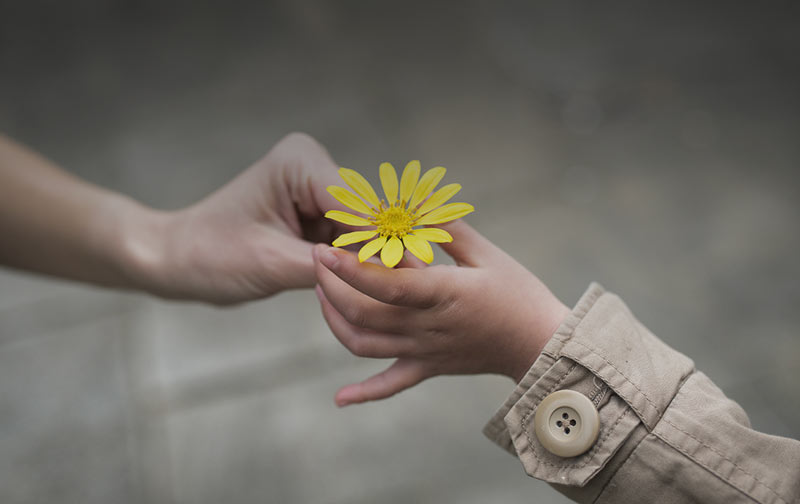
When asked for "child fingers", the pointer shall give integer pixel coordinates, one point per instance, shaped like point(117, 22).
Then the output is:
point(359, 309)
point(411, 287)
point(403, 374)
point(361, 342)
point(411, 261)
point(469, 247)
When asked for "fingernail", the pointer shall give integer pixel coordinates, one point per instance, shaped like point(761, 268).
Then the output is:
point(329, 258)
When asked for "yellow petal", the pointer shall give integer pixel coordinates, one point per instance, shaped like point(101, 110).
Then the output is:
point(347, 218)
point(435, 235)
point(354, 237)
point(389, 182)
point(392, 252)
point(426, 185)
point(349, 199)
point(409, 180)
point(419, 247)
point(439, 198)
point(360, 185)
point(371, 248)
point(446, 213)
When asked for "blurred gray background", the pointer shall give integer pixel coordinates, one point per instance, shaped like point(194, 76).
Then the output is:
point(653, 148)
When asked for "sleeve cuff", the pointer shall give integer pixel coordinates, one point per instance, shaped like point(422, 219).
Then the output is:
point(602, 351)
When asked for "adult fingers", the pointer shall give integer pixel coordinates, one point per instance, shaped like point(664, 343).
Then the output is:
point(359, 309)
point(362, 342)
point(403, 374)
point(306, 169)
point(286, 262)
point(410, 287)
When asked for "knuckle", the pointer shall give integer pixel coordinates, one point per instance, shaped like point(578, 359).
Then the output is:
point(298, 137)
point(293, 147)
point(399, 293)
point(447, 306)
point(429, 299)
point(448, 296)
point(302, 142)
point(356, 316)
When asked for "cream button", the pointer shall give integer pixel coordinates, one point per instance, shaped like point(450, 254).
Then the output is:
point(566, 423)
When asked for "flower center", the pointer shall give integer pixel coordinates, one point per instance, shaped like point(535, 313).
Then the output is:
point(394, 221)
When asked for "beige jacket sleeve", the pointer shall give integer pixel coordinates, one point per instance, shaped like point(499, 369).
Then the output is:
point(667, 434)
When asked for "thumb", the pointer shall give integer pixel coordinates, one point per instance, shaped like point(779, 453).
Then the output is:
point(403, 374)
point(289, 261)
point(469, 247)
point(305, 170)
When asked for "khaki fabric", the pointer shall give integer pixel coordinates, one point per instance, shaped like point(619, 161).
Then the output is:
point(667, 433)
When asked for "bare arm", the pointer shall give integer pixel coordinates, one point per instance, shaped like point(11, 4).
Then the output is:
point(250, 239)
point(54, 223)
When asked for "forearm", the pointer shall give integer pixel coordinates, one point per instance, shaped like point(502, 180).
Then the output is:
point(54, 223)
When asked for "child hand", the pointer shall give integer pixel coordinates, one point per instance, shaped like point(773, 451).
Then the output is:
point(488, 314)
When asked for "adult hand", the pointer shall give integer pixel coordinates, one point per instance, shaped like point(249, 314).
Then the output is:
point(488, 314)
point(248, 240)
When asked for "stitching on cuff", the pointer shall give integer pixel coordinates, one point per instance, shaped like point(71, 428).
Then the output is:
point(633, 454)
point(634, 408)
point(719, 454)
point(578, 313)
point(595, 352)
point(704, 466)
point(591, 452)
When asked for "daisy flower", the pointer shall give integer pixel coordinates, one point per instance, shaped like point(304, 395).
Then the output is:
point(393, 220)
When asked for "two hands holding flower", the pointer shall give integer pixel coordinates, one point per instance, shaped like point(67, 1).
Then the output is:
point(260, 234)
point(256, 236)
point(487, 314)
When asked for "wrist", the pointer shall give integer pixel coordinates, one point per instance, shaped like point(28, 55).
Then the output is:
point(539, 326)
point(138, 236)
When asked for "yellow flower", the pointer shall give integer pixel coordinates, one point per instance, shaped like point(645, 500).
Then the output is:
point(395, 218)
